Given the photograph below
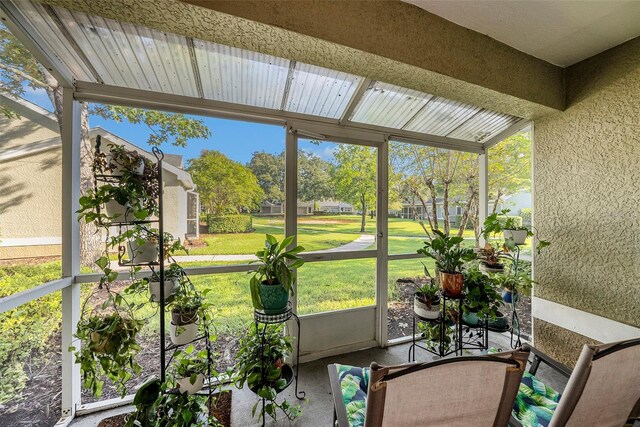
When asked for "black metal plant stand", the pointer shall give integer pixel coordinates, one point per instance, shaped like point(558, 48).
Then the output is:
point(464, 337)
point(515, 320)
point(157, 268)
point(264, 319)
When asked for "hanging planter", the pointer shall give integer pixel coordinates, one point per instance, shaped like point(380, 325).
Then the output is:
point(183, 334)
point(143, 250)
point(190, 369)
point(509, 296)
point(172, 276)
point(519, 236)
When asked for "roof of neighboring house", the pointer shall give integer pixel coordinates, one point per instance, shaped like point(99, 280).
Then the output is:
point(42, 117)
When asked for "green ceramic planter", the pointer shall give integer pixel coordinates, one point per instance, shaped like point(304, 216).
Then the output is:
point(274, 298)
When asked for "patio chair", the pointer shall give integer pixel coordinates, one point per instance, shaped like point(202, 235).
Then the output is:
point(460, 391)
point(603, 390)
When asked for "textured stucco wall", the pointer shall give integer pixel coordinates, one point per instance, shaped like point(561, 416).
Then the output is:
point(389, 41)
point(587, 192)
point(15, 132)
point(563, 344)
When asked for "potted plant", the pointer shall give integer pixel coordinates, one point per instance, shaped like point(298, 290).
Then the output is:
point(430, 331)
point(481, 298)
point(131, 196)
point(185, 308)
point(426, 300)
point(260, 364)
point(108, 349)
point(272, 282)
point(449, 258)
point(513, 283)
point(490, 259)
point(513, 232)
point(191, 369)
point(172, 276)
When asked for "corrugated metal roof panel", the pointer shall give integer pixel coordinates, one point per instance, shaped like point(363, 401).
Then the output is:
point(441, 116)
point(387, 105)
point(131, 56)
point(482, 126)
point(240, 76)
point(319, 91)
point(49, 31)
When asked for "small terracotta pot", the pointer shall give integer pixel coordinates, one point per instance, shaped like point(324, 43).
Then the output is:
point(452, 283)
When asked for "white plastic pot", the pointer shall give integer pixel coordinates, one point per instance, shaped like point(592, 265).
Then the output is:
point(143, 254)
point(183, 334)
point(154, 289)
point(184, 384)
point(117, 212)
point(425, 312)
point(518, 236)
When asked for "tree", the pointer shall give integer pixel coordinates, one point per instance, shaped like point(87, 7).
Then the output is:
point(19, 69)
point(509, 167)
point(269, 170)
point(355, 177)
point(225, 186)
point(314, 178)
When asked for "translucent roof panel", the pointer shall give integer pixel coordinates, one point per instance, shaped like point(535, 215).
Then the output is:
point(50, 33)
point(319, 91)
point(131, 56)
point(240, 76)
point(482, 126)
point(387, 105)
point(441, 116)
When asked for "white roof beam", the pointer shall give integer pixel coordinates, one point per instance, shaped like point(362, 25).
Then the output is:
point(513, 129)
point(22, 29)
point(365, 85)
point(287, 85)
point(94, 92)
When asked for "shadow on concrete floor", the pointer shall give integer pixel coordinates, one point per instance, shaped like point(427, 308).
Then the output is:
point(314, 380)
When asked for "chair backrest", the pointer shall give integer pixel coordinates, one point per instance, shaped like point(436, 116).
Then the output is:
point(604, 387)
point(461, 391)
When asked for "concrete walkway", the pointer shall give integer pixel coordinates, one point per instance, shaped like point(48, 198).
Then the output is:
point(361, 243)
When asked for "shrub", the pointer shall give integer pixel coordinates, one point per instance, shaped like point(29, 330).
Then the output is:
point(525, 213)
point(229, 224)
point(503, 219)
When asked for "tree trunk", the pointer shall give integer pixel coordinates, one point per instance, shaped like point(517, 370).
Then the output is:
point(364, 213)
point(496, 201)
point(91, 240)
point(465, 215)
point(434, 205)
point(424, 209)
point(445, 208)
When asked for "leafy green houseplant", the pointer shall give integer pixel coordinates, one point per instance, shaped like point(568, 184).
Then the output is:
point(130, 195)
point(186, 307)
point(482, 300)
point(172, 277)
point(450, 259)
point(514, 283)
point(191, 367)
point(490, 258)
point(272, 282)
point(108, 349)
point(430, 331)
point(426, 300)
point(260, 365)
point(513, 232)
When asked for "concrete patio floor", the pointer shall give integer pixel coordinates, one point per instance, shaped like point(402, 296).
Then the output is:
point(318, 410)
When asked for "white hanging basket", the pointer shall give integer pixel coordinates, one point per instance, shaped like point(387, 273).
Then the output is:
point(518, 236)
point(184, 384)
point(183, 334)
point(143, 254)
point(169, 288)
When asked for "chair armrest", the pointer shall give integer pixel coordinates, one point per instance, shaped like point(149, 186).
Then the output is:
point(339, 410)
point(539, 356)
point(513, 422)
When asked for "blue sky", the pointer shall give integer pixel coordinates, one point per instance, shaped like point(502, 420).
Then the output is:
point(238, 140)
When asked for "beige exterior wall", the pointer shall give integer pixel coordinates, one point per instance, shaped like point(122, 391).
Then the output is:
point(30, 201)
point(175, 211)
point(587, 196)
point(16, 132)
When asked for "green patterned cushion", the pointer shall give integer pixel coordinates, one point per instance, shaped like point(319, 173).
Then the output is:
point(354, 383)
point(535, 402)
